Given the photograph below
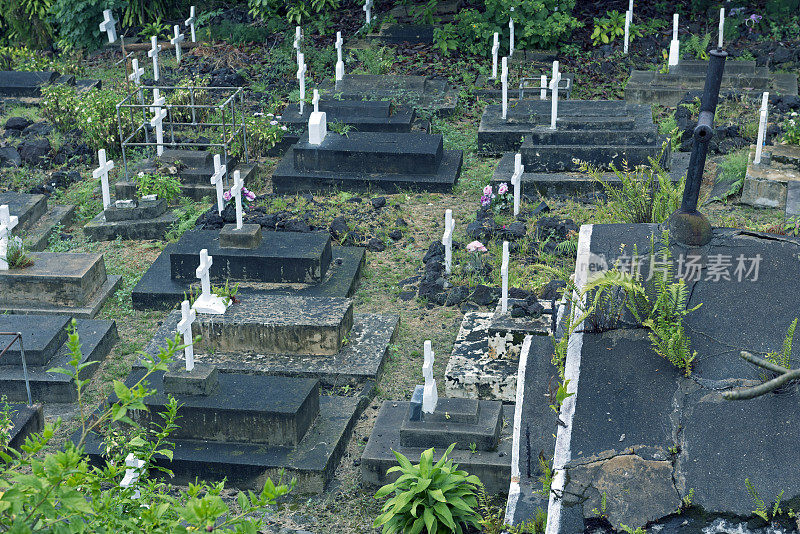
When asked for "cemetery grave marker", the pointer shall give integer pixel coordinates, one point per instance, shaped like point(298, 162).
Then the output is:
point(176, 42)
point(315, 101)
point(554, 100)
point(421, 92)
point(109, 26)
point(240, 235)
point(762, 127)
point(339, 59)
point(447, 240)
point(190, 23)
point(317, 128)
point(155, 48)
point(132, 473)
point(628, 22)
point(7, 223)
point(301, 77)
point(504, 280)
point(675, 44)
point(157, 122)
point(136, 72)
point(216, 180)
point(516, 181)
point(504, 82)
point(188, 315)
point(207, 302)
point(368, 11)
point(511, 35)
point(721, 30)
point(25, 420)
point(101, 172)
point(37, 220)
point(430, 396)
point(298, 40)
point(495, 51)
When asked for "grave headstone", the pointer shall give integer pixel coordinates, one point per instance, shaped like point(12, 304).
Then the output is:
point(207, 302)
point(721, 30)
point(627, 32)
point(504, 82)
point(543, 87)
point(216, 180)
point(190, 23)
point(339, 58)
point(132, 473)
point(447, 240)
point(762, 127)
point(136, 72)
point(511, 35)
point(297, 43)
point(516, 181)
point(504, 280)
point(7, 223)
point(101, 172)
point(301, 78)
point(554, 100)
point(315, 101)
point(188, 316)
point(155, 48)
point(176, 42)
point(495, 52)
point(675, 44)
point(157, 122)
point(25, 84)
point(239, 236)
point(109, 26)
point(368, 11)
point(430, 396)
point(317, 128)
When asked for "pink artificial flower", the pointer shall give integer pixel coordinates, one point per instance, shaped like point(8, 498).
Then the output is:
point(485, 201)
point(487, 190)
point(476, 246)
point(247, 194)
point(502, 189)
point(227, 195)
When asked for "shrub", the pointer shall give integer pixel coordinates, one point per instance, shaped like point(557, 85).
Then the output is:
point(78, 26)
point(263, 133)
point(733, 170)
point(437, 497)
point(166, 187)
point(17, 255)
point(26, 22)
point(791, 128)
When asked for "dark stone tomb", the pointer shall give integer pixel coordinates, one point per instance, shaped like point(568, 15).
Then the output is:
point(37, 220)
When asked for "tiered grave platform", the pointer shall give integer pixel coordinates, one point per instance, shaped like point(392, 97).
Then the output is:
point(740, 77)
point(775, 182)
point(58, 284)
point(25, 420)
point(362, 160)
point(146, 219)
point(37, 220)
point(28, 84)
point(44, 339)
point(419, 92)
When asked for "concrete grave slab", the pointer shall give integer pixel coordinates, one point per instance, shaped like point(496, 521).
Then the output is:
point(147, 220)
point(37, 221)
point(25, 84)
point(46, 338)
point(419, 92)
point(766, 185)
point(25, 420)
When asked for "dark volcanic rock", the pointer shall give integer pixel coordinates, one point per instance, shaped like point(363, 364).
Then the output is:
point(9, 157)
point(457, 295)
point(376, 245)
point(33, 151)
point(553, 290)
point(378, 202)
point(485, 295)
point(339, 227)
point(396, 235)
point(436, 249)
point(17, 123)
point(554, 228)
point(40, 129)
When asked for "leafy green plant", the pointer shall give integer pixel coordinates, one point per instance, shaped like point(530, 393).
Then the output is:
point(340, 127)
point(762, 510)
point(166, 187)
point(437, 497)
point(608, 28)
point(227, 291)
point(77, 22)
point(6, 424)
point(17, 255)
point(695, 47)
point(545, 478)
point(140, 12)
point(733, 170)
point(375, 60)
point(27, 22)
point(263, 133)
point(423, 13)
point(791, 129)
point(560, 396)
point(493, 518)
point(154, 29)
point(295, 11)
point(445, 38)
point(631, 530)
point(782, 358)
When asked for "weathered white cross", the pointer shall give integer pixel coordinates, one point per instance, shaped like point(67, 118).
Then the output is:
point(675, 44)
point(188, 316)
point(236, 191)
point(301, 77)
point(516, 181)
point(628, 22)
point(721, 27)
point(298, 40)
point(543, 87)
point(504, 280)
point(315, 101)
point(176, 41)
point(556, 79)
point(368, 10)
point(157, 122)
point(762, 127)
point(102, 173)
point(447, 240)
point(504, 83)
point(430, 396)
point(155, 48)
point(7, 223)
point(495, 51)
point(190, 22)
point(132, 473)
point(207, 302)
point(216, 180)
point(339, 58)
point(136, 75)
point(511, 35)
point(109, 25)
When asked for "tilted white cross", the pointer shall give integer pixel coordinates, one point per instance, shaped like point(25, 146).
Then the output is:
point(7, 223)
point(511, 35)
point(188, 316)
point(155, 48)
point(216, 180)
point(301, 78)
point(516, 181)
point(190, 22)
point(102, 173)
point(207, 302)
point(368, 10)
point(236, 191)
point(504, 83)
point(543, 87)
point(137, 72)
point(298, 40)
point(176, 41)
point(556, 79)
point(675, 44)
point(157, 122)
point(495, 51)
point(109, 25)
point(430, 396)
point(504, 280)
point(132, 473)
point(315, 101)
point(447, 240)
point(339, 58)
point(721, 27)
point(762, 127)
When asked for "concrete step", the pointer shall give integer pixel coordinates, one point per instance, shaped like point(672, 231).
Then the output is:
point(27, 208)
point(38, 235)
point(700, 67)
point(190, 158)
point(197, 186)
point(560, 158)
point(565, 136)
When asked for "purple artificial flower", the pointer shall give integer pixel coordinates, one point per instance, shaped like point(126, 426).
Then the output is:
point(247, 194)
point(487, 190)
point(502, 189)
point(227, 195)
point(756, 18)
point(485, 201)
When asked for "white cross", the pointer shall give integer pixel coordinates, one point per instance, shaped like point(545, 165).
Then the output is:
point(504, 82)
point(556, 79)
point(675, 44)
point(762, 127)
point(176, 41)
point(157, 122)
point(368, 10)
point(543, 87)
point(516, 181)
point(158, 101)
point(236, 191)
point(721, 27)
point(447, 240)
point(504, 279)
point(216, 180)
point(136, 75)
point(153, 53)
point(188, 316)
point(298, 39)
point(132, 473)
point(628, 20)
point(511, 35)
point(315, 101)
point(102, 173)
point(301, 77)
point(430, 396)
point(190, 22)
point(495, 51)
point(109, 25)
point(7, 223)
point(207, 302)
point(339, 59)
